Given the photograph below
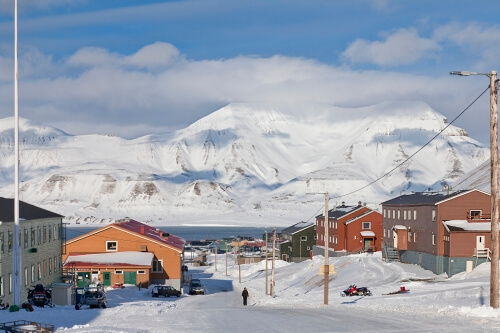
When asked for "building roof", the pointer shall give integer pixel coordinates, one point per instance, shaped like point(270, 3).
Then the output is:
point(368, 212)
point(128, 258)
point(26, 211)
point(143, 230)
point(297, 227)
point(464, 225)
point(340, 211)
point(420, 198)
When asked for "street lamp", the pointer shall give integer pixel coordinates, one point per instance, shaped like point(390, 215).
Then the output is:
point(494, 180)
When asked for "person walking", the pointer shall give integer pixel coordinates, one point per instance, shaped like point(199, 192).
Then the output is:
point(244, 294)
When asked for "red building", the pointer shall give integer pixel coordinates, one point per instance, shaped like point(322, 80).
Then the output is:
point(351, 229)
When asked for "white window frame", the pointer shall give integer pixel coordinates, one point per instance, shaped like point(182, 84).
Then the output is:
point(404, 214)
point(33, 275)
point(118, 272)
point(414, 215)
point(399, 214)
point(141, 272)
point(433, 215)
point(369, 225)
point(10, 283)
point(433, 239)
point(475, 210)
point(303, 238)
point(385, 212)
point(110, 243)
point(25, 276)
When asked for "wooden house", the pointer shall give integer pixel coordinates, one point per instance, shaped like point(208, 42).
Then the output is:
point(442, 232)
point(297, 241)
point(128, 252)
point(350, 229)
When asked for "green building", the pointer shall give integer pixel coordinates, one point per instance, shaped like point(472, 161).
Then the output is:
point(297, 241)
point(41, 240)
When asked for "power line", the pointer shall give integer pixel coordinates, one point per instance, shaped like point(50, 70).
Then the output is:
point(411, 156)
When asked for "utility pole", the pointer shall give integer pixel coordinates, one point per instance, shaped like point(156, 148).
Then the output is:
point(226, 258)
point(272, 265)
point(327, 264)
point(494, 189)
point(494, 181)
point(215, 250)
point(267, 291)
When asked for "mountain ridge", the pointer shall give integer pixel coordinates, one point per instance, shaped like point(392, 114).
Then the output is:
point(243, 160)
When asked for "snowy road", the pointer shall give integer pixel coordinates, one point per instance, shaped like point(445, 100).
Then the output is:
point(222, 307)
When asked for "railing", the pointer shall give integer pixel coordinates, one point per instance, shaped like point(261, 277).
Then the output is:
point(483, 253)
point(479, 218)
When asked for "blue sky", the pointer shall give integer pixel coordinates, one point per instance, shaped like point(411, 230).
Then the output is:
point(136, 67)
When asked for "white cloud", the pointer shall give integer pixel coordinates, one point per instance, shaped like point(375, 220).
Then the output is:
point(155, 55)
point(401, 48)
point(130, 95)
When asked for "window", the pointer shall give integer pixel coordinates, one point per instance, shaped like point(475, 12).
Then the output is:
point(303, 238)
point(315, 237)
point(141, 272)
point(39, 271)
point(38, 235)
point(9, 240)
point(414, 237)
point(475, 214)
point(157, 266)
point(384, 233)
point(10, 283)
point(393, 214)
point(118, 272)
point(25, 276)
point(399, 214)
point(50, 266)
point(409, 237)
point(25, 238)
point(33, 236)
point(44, 234)
point(367, 225)
point(2, 241)
point(433, 215)
point(384, 213)
point(414, 214)
point(404, 214)
point(33, 273)
point(111, 246)
point(1, 286)
point(433, 239)
point(50, 234)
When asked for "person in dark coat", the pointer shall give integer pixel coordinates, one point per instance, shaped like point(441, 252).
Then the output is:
point(244, 294)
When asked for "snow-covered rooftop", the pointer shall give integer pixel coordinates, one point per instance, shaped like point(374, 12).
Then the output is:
point(116, 258)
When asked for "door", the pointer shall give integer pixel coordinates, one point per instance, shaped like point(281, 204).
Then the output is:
point(83, 278)
point(106, 276)
point(129, 277)
point(367, 243)
point(395, 238)
point(480, 243)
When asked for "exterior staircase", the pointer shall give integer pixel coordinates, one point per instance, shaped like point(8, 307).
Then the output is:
point(391, 254)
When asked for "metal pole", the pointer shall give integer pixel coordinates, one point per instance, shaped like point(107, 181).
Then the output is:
point(267, 290)
point(272, 264)
point(226, 258)
point(494, 189)
point(16, 255)
point(215, 250)
point(327, 266)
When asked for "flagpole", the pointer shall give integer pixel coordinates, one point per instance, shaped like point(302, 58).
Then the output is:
point(16, 253)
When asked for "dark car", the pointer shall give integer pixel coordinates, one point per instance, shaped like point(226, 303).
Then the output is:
point(165, 291)
point(196, 287)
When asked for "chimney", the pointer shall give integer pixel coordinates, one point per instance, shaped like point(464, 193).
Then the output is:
point(142, 230)
point(359, 203)
point(343, 203)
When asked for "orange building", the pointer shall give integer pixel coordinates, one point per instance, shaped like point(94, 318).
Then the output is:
point(128, 252)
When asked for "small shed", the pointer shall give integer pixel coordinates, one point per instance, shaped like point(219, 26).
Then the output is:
point(62, 293)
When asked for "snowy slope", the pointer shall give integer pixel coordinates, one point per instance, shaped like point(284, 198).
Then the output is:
point(243, 163)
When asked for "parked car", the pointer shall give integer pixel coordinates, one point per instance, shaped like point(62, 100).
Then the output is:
point(196, 287)
point(165, 291)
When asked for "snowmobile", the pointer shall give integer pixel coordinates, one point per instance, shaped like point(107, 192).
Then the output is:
point(40, 296)
point(93, 295)
point(353, 290)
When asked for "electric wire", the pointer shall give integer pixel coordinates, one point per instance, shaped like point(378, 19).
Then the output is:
point(409, 157)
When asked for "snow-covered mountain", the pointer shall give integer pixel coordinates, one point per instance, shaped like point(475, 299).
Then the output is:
point(244, 164)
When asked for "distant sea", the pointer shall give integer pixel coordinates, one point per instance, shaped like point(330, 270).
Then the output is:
point(190, 233)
